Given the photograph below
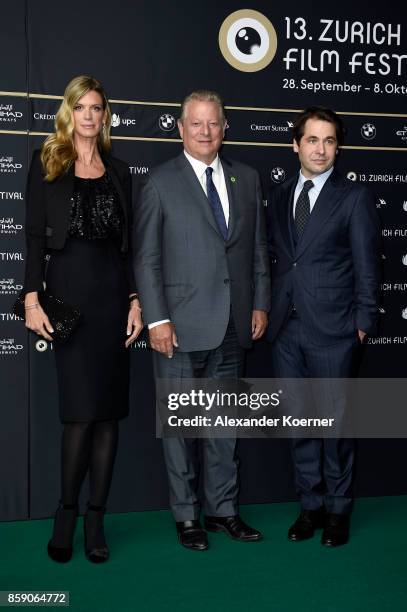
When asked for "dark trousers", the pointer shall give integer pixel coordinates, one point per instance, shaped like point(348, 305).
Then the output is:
point(184, 456)
point(323, 467)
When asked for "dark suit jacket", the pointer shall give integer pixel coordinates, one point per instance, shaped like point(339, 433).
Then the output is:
point(48, 209)
point(185, 271)
point(332, 275)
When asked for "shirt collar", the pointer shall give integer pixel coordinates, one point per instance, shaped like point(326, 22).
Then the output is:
point(319, 181)
point(199, 166)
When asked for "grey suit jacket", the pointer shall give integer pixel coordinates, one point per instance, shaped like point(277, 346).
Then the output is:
point(185, 270)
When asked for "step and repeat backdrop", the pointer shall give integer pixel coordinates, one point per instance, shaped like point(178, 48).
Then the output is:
point(268, 62)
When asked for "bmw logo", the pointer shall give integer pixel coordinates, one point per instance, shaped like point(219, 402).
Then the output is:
point(368, 131)
point(278, 175)
point(167, 122)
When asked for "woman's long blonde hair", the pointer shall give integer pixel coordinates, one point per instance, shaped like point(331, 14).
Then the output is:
point(58, 151)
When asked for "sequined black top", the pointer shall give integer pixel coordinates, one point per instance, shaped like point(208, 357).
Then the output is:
point(95, 212)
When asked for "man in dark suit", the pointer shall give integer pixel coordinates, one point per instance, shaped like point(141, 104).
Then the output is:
point(201, 269)
point(325, 253)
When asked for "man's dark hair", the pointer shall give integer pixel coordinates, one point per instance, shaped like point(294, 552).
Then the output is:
point(322, 113)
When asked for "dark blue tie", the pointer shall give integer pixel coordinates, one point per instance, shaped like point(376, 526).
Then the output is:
point(216, 204)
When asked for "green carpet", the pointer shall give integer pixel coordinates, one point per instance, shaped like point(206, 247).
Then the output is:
point(150, 571)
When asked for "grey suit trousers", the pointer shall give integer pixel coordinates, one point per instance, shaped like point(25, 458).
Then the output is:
point(212, 461)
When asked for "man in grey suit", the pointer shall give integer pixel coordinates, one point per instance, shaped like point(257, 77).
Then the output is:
point(201, 268)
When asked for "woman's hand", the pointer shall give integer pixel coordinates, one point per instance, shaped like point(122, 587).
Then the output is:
point(134, 322)
point(35, 318)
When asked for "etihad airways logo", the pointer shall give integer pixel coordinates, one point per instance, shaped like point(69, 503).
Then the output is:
point(8, 346)
point(8, 226)
point(8, 114)
point(402, 133)
point(8, 286)
point(8, 165)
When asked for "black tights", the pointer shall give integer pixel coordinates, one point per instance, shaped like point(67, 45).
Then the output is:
point(88, 446)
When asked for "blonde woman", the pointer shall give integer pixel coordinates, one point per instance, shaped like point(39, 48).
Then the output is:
point(79, 212)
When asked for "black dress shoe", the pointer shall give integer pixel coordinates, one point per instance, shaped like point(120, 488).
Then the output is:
point(305, 525)
point(191, 535)
point(336, 531)
point(233, 526)
point(60, 544)
point(96, 549)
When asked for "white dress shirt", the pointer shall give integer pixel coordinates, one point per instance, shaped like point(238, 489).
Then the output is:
point(319, 181)
point(218, 179)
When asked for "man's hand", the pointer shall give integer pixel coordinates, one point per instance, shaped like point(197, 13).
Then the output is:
point(259, 323)
point(361, 335)
point(163, 338)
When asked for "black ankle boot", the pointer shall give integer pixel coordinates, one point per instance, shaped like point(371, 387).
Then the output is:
point(96, 549)
point(60, 544)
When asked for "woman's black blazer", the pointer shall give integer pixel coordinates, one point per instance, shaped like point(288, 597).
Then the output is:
point(48, 208)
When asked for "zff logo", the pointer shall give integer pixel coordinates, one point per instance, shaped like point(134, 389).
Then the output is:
point(248, 40)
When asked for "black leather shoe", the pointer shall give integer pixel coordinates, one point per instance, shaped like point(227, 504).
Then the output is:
point(60, 544)
point(191, 535)
point(233, 526)
point(96, 549)
point(336, 531)
point(305, 525)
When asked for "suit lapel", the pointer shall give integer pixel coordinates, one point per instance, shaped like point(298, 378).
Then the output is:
point(284, 213)
point(328, 200)
point(231, 186)
point(195, 189)
point(62, 190)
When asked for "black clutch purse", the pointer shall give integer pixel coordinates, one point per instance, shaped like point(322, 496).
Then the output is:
point(63, 317)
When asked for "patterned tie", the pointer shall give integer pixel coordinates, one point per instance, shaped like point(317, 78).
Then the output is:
point(302, 208)
point(216, 205)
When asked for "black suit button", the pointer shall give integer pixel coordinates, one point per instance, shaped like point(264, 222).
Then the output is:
point(294, 264)
point(226, 281)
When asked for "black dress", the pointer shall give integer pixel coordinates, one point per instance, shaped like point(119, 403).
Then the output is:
point(90, 273)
